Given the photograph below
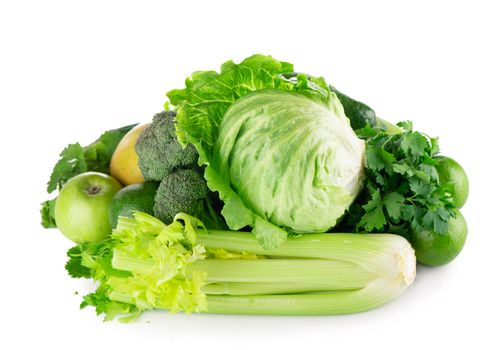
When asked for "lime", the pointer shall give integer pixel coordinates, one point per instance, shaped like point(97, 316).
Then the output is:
point(136, 197)
point(451, 172)
point(435, 249)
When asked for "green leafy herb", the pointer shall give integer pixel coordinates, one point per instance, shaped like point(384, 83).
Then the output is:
point(99, 153)
point(93, 259)
point(110, 308)
point(48, 214)
point(74, 266)
point(71, 163)
point(402, 192)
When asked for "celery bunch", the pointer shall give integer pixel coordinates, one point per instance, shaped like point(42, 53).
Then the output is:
point(147, 264)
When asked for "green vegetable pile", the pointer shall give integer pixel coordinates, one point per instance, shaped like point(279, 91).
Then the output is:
point(261, 191)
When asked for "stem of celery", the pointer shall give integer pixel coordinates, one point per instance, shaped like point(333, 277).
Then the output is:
point(264, 276)
point(378, 292)
point(384, 254)
point(276, 276)
point(375, 294)
point(262, 288)
point(361, 271)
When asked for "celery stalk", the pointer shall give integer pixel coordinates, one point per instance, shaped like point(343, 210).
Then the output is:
point(167, 267)
point(264, 276)
point(384, 254)
point(377, 293)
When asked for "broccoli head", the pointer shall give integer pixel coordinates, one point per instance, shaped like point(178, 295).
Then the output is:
point(185, 191)
point(159, 152)
point(182, 187)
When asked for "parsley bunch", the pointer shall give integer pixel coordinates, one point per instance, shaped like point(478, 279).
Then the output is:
point(402, 190)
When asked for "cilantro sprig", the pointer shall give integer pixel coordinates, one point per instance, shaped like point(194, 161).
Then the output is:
point(402, 190)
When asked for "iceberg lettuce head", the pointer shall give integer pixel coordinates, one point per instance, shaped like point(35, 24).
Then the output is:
point(280, 151)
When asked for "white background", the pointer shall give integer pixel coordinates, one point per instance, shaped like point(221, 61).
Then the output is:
point(72, 69)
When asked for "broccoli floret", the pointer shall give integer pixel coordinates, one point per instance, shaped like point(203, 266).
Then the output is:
point(182, 187)
point(159, 152)
point(185, 191)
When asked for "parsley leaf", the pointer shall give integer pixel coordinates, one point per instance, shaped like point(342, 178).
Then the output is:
point(48, 214)
point(71, 163)
point(99, 153)
point(379, 159)
point(402, 191)
point(374, 217)
point(74, 266)
point(93, 259)
point(393, 203)
point(413, 144)
point(420, 187)
point(406, 125)
point(403, 168)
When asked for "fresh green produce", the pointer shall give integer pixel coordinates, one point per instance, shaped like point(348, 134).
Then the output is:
point(74, 160)
point(402, 192)
point(47, 213)
point(321, 201)
point(258, 146)
point(182, 187)
point(360, 114)
point(82, 206)
point(185, 191)
point(405, 186)
point(451, 173)
point(259, 152)
point(159, 152)
point(182, 267)
point(124, 162)
point(136, 197)
point(436, 249)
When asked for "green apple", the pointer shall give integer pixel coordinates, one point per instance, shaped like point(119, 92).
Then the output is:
point(82, 207)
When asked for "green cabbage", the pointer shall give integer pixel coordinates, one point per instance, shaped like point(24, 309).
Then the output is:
point(280, 151)
point(294, 162)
